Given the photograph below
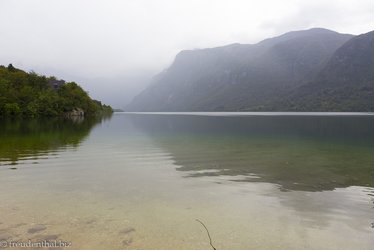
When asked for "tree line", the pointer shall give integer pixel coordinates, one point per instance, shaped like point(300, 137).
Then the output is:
point(30, 94)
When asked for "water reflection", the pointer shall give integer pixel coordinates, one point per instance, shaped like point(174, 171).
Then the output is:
point(116, 185)
point(33, 139)
point(295, 152)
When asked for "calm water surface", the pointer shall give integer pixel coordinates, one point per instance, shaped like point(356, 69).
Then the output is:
point(140, 181)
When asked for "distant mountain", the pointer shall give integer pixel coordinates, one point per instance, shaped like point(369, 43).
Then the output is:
point(346, 83)
point(241, 76)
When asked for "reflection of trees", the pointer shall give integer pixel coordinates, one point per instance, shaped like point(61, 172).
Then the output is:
point(298, 153)
point(23, 138)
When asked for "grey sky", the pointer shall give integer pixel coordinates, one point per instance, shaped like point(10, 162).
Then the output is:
point(110, 46)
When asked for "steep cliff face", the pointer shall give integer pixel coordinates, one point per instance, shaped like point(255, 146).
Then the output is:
point(345, 84)
point(354, 61)
point(239, 76)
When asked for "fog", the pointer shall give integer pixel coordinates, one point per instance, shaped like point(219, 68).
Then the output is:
point(112, 48)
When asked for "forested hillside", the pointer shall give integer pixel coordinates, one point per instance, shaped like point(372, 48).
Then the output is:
point(30, 94)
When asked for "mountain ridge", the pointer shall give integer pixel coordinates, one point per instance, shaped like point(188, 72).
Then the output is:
point(345, 84)
point(240, 77)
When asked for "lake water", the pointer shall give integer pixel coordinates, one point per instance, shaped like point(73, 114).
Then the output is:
point(140, 181)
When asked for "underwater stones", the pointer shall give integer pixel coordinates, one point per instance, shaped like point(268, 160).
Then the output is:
point(126, 233)
point(127, 242)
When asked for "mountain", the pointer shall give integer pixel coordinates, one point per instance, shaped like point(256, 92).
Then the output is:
point(346, 83)
point(240, 76)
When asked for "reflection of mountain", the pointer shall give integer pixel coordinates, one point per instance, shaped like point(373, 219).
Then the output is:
point(30, 139)
point(297, 152)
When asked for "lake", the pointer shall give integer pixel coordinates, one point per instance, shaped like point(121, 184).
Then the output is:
point(141, 181)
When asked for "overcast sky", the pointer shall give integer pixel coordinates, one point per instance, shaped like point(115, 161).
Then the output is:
point(111, 45)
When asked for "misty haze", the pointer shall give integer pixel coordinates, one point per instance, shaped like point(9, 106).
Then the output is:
point(186, 124)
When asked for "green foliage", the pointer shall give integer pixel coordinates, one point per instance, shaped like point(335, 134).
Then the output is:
point(11, 109)
point(29, 94)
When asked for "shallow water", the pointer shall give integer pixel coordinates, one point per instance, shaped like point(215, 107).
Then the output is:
point(140, 181)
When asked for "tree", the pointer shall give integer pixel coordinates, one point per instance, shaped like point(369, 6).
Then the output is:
point(11, 68)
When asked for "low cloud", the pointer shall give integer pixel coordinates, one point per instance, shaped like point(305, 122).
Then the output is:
point(115, 39)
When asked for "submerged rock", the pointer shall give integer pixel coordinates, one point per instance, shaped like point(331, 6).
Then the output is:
point(127, 242)
point(36, 229)
point(75, 112)
point(127, 230)
point(50, 237)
